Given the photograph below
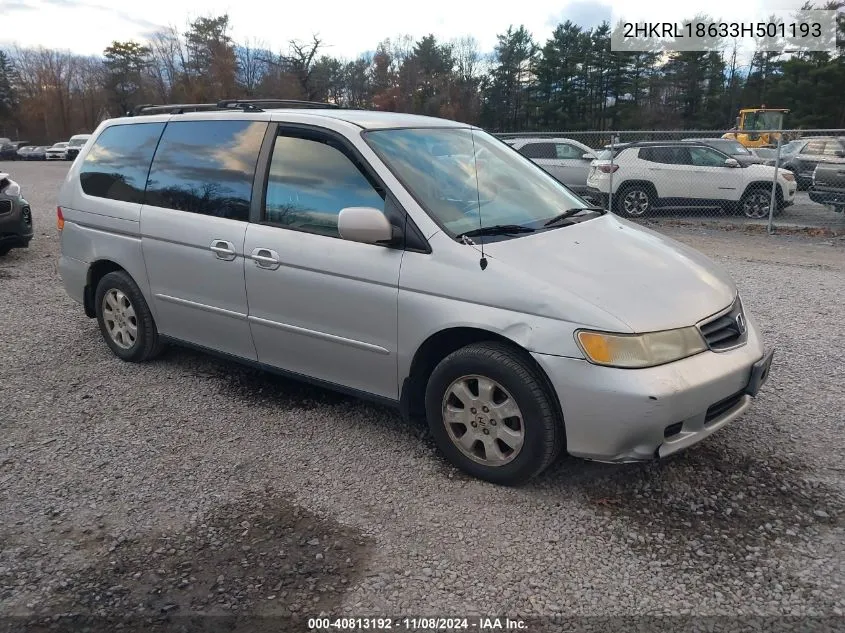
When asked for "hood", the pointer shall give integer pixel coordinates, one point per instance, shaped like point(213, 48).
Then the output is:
point(646, 280)
point(745, 159)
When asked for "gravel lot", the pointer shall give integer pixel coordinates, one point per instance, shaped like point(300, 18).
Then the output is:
point(193, 486)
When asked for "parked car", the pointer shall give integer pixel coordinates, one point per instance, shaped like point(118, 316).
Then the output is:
point(732, 148)
point(9, 151)
point(75, 144)
point(814, 150)
point(33, 152)
point(566, 159)
point(649, 175)
point(828, 186)
point(23, 152)
point(16, 228)
point(365, 252)
point(57, 152)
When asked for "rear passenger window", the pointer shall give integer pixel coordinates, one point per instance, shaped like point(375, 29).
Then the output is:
point(310, 181)
point(206, 167)
point(539, 150)
point(116, 167)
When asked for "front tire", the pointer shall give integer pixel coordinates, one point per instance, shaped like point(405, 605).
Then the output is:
point(492, 415)
point(125, 320)
point(755, 203)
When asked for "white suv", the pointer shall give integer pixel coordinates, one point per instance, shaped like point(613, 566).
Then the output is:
point(644, 176)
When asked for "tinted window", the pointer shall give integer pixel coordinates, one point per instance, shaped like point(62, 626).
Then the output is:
point(666, 155)
point(706, 157)
point(538, 150)
point(206, 167)
point(310, 181)
point(116, 167)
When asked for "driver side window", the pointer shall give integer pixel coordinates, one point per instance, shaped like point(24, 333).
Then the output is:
point(706, 157)
point(310, 180)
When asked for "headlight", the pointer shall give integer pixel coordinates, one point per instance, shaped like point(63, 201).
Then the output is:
point(635, 351)
point(788, 175)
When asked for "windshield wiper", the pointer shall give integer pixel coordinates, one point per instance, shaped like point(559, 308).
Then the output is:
point(497, 229)
point(569, 213)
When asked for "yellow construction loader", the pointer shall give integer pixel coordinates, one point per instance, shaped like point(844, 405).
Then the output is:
point(750, 125)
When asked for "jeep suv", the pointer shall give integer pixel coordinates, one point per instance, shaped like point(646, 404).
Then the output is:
point(412, 260)
point(645, 176)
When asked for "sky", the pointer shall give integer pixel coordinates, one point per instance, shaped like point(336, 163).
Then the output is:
point(347, 28)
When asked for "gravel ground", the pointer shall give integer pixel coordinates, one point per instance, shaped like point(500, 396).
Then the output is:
point(190, 486)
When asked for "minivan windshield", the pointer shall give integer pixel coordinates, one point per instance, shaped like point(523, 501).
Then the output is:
point(467, 179)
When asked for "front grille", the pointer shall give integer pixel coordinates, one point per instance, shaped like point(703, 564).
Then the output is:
point(726, 331)
point(5, 207)
point(722, 407)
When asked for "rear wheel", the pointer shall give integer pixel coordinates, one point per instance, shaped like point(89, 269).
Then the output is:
point(125, 320)
point(4, 250)
point(492, 415)
point(634, 201)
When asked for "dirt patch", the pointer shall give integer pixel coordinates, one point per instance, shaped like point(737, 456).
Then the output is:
point(259, 564)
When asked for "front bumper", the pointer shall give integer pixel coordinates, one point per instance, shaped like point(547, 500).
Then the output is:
point(833, 197)
point(621, 415)
point(16, 226)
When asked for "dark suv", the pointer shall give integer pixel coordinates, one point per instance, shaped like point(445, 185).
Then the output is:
point(819, 149)
point(15, 216)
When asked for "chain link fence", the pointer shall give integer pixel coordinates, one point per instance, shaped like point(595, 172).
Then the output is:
point(792, 180)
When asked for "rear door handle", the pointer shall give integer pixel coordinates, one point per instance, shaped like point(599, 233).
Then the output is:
point(223, 250)
point(266, 258)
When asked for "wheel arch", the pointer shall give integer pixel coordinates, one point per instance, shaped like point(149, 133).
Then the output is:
point(637, 182)
point(96, 271)
point(442, 343)
point(763, 184)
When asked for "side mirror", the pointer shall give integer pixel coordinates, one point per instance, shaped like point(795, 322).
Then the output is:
point(366, 224)
point(589, 156)
point(731, 162)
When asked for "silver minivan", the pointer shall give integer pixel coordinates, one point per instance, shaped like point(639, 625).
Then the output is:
point(416, 261)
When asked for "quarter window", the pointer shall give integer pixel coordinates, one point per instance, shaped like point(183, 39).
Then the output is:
point(310, 181)
point(117, 165)
point(206, 167)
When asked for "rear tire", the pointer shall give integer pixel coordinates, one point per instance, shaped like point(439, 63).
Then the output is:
point(125, 320)
point(4, 250)
point(492, 415)
point(634, 201)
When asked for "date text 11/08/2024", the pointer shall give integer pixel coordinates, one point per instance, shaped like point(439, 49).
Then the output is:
point(722, 29)
point(417, 624)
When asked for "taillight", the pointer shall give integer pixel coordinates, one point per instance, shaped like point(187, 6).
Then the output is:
point(60, 219)
point(608, 169)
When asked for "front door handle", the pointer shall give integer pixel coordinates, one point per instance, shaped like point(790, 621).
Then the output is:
point(266, 258)
point(223, 250)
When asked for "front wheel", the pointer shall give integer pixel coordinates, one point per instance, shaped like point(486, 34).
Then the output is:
point(125, 320)
point(755, 204)
point(491, 414)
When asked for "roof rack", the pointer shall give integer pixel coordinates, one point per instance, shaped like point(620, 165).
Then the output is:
point(260, 104)
point(247, 105)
